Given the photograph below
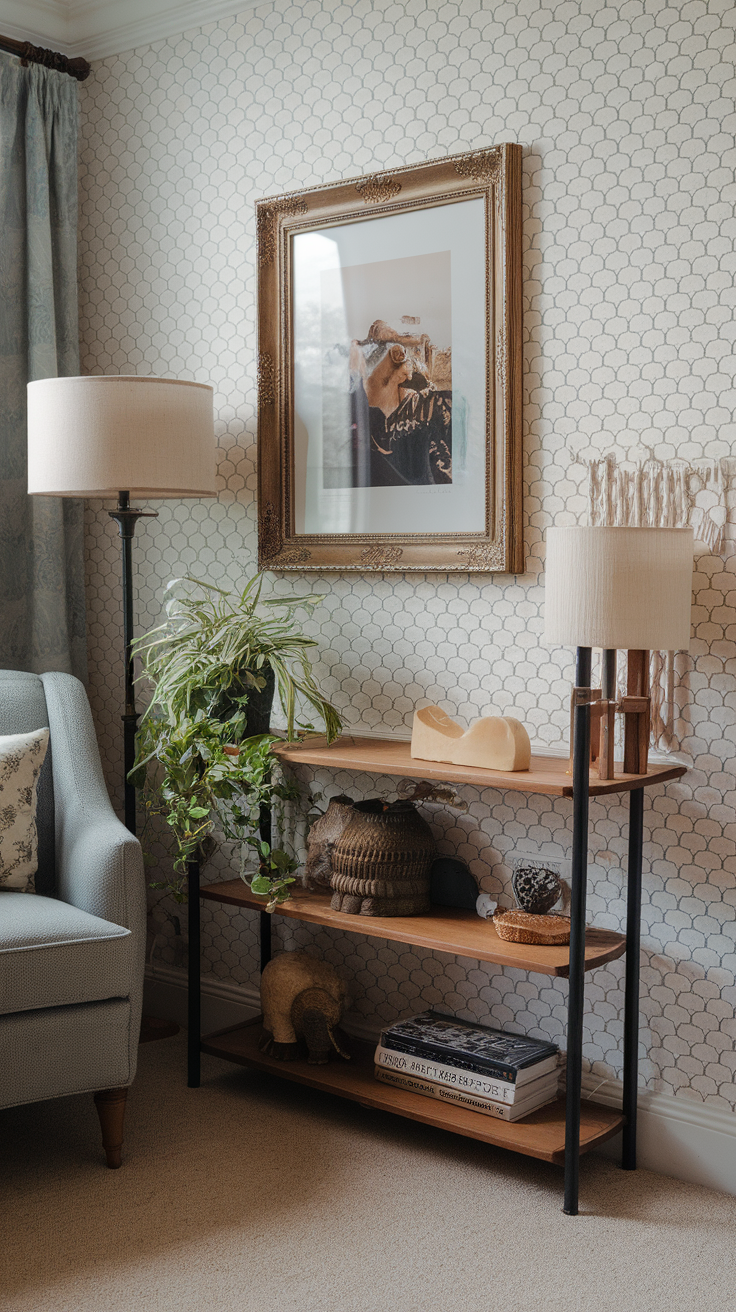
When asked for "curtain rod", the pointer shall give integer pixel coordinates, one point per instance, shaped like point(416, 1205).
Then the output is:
point(30, 54)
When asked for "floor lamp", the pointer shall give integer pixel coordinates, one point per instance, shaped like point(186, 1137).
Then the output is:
point(113, 435)
point(617, 589)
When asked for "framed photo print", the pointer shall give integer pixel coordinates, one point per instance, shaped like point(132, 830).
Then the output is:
point(389, 370)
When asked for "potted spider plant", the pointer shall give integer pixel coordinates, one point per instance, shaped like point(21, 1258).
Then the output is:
point(203, 758)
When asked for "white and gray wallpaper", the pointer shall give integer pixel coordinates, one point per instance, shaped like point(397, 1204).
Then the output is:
point(626, 114)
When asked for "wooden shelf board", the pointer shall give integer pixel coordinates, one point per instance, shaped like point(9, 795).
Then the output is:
point(541, 1134)
point(461, 933)
point(547, 774)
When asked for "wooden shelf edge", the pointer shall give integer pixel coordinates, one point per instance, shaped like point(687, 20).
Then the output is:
point(540, 1135)
point(459, 933)
point(546, 775)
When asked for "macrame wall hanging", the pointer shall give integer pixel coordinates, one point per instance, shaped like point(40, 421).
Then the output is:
point(662, 494)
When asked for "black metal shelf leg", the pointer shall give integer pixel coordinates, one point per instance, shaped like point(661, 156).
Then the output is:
point(194, 999)
point(631, 1000)
point(576, 995)
point(265, 919)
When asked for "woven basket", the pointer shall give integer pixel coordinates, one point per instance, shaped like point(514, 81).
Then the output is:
point(380, 862)
point(522, 927)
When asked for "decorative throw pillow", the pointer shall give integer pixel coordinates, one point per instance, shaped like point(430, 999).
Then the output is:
point(21, 758)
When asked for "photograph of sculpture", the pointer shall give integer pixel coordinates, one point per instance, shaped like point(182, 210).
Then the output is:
point(389, 384)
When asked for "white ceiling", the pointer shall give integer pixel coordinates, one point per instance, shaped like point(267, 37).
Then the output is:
point(98, 28)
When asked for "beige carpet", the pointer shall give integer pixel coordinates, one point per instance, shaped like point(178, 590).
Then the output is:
point(257, 1195)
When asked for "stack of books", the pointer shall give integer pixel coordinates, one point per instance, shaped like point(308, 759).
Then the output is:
point(488, 1070)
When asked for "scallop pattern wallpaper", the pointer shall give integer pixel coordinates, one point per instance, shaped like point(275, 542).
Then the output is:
point(626, 115)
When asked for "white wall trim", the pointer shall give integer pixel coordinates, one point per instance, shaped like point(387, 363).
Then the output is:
point(676, 1136)
point(97, 29)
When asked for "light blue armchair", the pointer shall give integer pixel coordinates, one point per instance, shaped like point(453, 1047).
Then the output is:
point(71, 955)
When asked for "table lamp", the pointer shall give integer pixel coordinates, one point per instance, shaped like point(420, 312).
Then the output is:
point(619, 588)
point(115, 435)
point(612, 588)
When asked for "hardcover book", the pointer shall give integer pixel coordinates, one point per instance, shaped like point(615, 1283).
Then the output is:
point(502, 1111)
point(484, 1085)
point(473, 1047)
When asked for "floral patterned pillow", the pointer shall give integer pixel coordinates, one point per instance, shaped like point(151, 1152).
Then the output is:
point(21, 758)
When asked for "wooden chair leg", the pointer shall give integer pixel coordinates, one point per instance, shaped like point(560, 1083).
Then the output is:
point(110, 1104)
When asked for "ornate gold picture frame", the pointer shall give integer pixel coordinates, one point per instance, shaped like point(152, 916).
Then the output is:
point(389, 370)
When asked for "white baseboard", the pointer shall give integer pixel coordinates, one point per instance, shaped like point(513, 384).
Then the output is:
point(675, 1136)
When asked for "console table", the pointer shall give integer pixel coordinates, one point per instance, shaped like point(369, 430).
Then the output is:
point(558, 1133)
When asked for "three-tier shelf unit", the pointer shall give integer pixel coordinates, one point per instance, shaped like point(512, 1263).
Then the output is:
point(557, 1133)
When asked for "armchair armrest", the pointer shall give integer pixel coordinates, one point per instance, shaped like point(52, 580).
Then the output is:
point(99, 863)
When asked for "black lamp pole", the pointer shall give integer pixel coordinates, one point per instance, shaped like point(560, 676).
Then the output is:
point(576, 995)
point(127, 517)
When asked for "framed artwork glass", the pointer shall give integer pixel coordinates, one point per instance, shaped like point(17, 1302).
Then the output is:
point(389, 370)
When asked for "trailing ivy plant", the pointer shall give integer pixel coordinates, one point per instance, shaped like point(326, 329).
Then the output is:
point(216, 655)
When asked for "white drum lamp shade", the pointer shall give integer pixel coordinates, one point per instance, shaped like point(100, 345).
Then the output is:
point(99, 435)
point(623, 588)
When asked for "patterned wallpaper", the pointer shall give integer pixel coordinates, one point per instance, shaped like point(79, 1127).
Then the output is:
point(626, 115)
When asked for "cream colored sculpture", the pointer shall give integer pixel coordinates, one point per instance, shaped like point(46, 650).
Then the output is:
point(493, 742)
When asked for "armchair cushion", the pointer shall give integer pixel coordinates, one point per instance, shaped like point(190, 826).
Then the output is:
point(21, 758)
point(54, 955)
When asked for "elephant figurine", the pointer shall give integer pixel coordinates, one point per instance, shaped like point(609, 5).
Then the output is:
point(302, 999)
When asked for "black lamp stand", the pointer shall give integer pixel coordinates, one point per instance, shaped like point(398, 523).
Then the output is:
point(583, 697)
point(127, 517)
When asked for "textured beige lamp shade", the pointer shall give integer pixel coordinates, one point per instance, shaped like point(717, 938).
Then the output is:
point(624, 588)
point(96, 436)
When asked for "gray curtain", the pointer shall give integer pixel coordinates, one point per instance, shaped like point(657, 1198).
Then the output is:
point(42, 613)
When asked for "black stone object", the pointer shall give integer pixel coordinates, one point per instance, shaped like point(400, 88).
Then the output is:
point(451, 884)
point(536, 888)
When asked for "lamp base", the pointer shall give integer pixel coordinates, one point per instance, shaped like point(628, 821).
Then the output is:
point(635, 707)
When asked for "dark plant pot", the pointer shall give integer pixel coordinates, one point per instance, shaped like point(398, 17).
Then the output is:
point(260, 704)
point(380, 862)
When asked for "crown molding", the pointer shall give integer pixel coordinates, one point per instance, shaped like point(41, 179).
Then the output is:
point(98, 29)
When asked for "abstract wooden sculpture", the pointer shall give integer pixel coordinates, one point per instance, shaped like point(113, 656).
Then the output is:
point(492, 743)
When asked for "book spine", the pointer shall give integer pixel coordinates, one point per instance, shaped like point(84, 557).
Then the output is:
point(501, 1110)
point(494, 1069)
point(470, 1082)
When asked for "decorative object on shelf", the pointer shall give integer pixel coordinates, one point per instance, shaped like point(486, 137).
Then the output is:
point(503, 1111)
point(536, 887)
point(322, 837)
point(488, 1070)
point(426, 790)
point(485, 906)
point(619, 588)
point(418, 286)
point(92, 437)
point(451, 884)
point(381, 861)
point(514, 1059)
point(520, 927)
point(303, 1000)
point(204, 746)
point(491, 743)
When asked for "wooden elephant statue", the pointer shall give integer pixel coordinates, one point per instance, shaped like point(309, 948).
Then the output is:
point(302, 999)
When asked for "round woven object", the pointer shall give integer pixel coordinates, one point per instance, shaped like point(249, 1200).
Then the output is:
point(380, 862)
point(521, 927)
point(536, 888)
